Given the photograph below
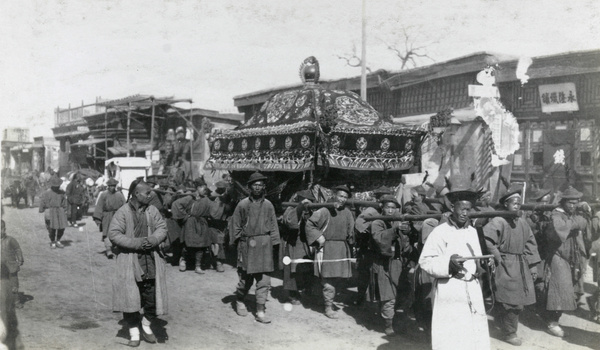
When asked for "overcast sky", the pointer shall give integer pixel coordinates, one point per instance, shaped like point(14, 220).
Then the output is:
point(61, 52)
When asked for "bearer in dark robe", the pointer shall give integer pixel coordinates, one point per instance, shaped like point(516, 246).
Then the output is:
point(53, 204)
point(364, 254)
point(561, 262)
point(76, 196)
point(196, 235)
point(218, 224)
point(108, 203)
point(513, 245)
point(254, 228)
point(296, 277)
point(332, 232)
point(392, 251)
point(538, 220)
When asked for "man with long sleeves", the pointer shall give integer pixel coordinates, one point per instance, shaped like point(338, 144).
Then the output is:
point(459, 318)
point(76, 196)
point(364, 253)
point(332, 231)
point(254, 228)
point(108, 203)
point(137, 230)
point(392, 249)
point(513, 245)
point(296, 277)
point(195, 233)
point(54, 204)
point(562, 260)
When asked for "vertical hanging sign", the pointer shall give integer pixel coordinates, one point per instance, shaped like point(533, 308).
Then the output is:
point(558, 98)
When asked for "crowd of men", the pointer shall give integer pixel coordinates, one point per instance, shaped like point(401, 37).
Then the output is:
point(448, 269)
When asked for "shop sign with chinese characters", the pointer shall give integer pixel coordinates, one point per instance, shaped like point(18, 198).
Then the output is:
point(558, 98)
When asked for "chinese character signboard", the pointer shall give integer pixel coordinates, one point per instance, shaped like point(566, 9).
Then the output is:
point(558, 98)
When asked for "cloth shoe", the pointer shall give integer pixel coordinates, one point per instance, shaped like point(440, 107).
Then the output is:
point(59, 245)
point(147, 331)
point(260, 314)
point(219, 267)
point(182, 265)
point(198, 270)
point(53, 245)
point(389, 327)
point(240, 308)
point(556, 331)
point(134, 337)
point(329, 312)
point(513, 340)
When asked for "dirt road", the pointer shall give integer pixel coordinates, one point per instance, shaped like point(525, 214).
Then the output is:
point(68, 306)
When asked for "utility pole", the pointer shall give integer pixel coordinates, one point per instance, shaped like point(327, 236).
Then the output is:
point(363, 59)
point(128, 126)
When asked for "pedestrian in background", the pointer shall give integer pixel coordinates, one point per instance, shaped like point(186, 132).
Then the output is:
point(109, 202)
point(76, 196)
point(53, 204)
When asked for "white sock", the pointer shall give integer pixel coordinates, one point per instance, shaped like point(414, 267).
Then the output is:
point(134, 333)
point(146, 325)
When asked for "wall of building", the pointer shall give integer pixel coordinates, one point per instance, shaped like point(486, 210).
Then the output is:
point(540, 138)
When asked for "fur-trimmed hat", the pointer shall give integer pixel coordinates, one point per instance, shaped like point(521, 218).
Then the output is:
point(461, 190)
point(513, 190)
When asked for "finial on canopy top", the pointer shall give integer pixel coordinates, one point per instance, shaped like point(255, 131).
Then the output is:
point(309, 70)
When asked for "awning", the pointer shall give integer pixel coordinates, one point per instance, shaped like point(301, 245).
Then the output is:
point(463, 115)
point(88, 142)
point(21, 147)
point(117, 150)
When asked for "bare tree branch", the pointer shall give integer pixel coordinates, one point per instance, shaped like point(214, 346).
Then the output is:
point(411, 52)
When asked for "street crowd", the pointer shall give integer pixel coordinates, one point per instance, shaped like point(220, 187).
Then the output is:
point(449, 269)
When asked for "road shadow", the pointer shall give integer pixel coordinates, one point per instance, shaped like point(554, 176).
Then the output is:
point(581, 337)
point(66, 243)
point(249, 301)
point(530, 318)
point(23, 298)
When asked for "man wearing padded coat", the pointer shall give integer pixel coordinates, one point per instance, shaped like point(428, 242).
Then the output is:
point(137, 230)
point(332, 231)
point(255, 230)
point(513, 245)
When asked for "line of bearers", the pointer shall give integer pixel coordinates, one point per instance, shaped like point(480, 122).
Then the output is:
point(448, 297)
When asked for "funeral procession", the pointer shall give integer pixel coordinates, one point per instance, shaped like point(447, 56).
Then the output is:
point(301, 175)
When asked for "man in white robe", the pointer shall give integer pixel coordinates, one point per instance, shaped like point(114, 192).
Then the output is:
point(459, 318)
